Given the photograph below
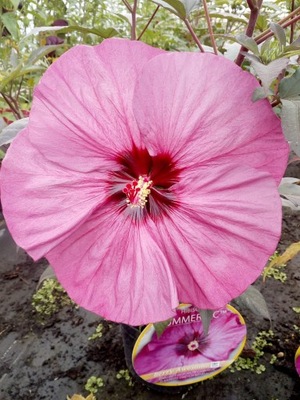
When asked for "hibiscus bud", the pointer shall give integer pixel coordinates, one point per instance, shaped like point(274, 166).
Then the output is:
point(52, 40)
point(60, 22)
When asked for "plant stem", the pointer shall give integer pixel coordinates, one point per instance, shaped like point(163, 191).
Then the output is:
point(13, 107)
point(292, 26)
point(19, 88)
point(148, 23)
point(210, 30)
point(254, 13)
point(281, 22)
point(268, 34)
point(129, 8)
point(275, 102)
point(194, 36)
point(133, 24)
point(17, 108)
point(292, 14)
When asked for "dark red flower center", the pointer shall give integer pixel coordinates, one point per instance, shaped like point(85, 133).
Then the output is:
point(191, 344)
point(144, 183)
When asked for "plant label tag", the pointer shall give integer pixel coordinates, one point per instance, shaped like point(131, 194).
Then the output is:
point(183, 354)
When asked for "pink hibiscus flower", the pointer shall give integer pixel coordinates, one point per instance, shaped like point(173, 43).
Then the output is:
point(146, 178)
point(187, 345)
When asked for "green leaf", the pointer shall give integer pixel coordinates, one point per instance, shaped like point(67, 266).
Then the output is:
point(290, 119)
point(18, 72)
point(265, 47)
point(10, 76)
point(296, 42)
point(15, 3)
point(230, 17)
point(102, 32)
point(262, 23)
point(249, 43)
point(10, 132)
point(126, 17)
point(191, 5)
point(250, 57)
point(289, 191)
point(175, 6)
point(267, 73)
point(258, 94)
point(254, 301)
point(2, 124)
point(291, 53)
point(206, 316)
point(10, 22)
point(31, 69)
point(279, 32)
point(296, 309)
point(295, 45)
point(14, 61)
point(40, 53)
point(2, 154)
point(281, 260)
point(160, 327)
point(47, 274)
point(37, 30)
point(290, 87)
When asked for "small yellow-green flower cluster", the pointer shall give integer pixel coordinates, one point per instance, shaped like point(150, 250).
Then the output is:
point(93, 384)
point(253, 364)
point(276, 271)
point(124, 374)
point(50, 298)
point(98, 333)
point(297, 328)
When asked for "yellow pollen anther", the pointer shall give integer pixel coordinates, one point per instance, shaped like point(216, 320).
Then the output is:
point(137, 192)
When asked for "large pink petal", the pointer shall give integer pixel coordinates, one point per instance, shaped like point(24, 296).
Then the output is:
point(56, 172)
point(198, 107)
point(85, 97)
point(115, 268)
point(219, 238)
point(43, 202)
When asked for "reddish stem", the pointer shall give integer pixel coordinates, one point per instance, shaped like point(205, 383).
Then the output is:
point(129, 8)
point(254, 13)
point(210, 30)
point(281, 22)
point(252, 5)
point(13, 106)
point(133, 24)
point(292, 26)
point(194, 36)
point(275, 102)
point(270, 34)
point(148, 23)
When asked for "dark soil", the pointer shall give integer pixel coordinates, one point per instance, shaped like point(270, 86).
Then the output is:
point(50, 360)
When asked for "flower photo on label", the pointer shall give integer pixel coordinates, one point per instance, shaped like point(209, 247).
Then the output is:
point(297, 361)
point(184, 352)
